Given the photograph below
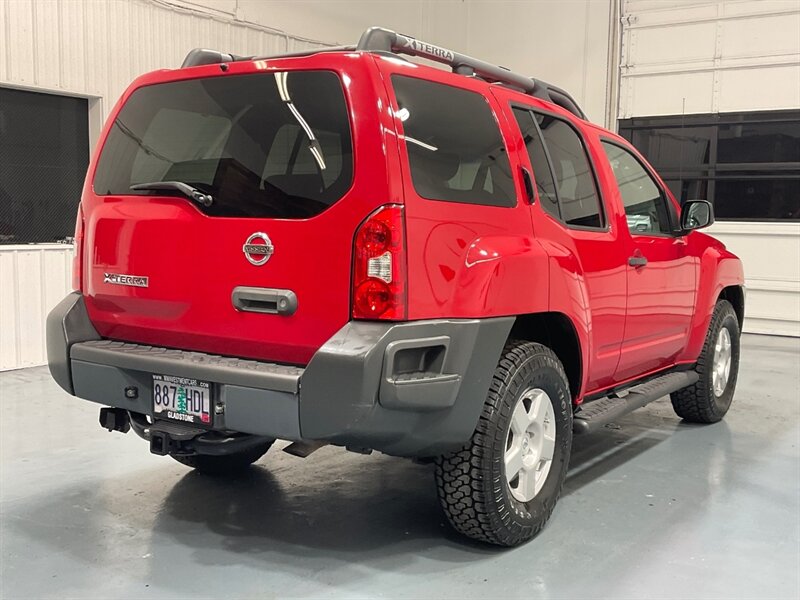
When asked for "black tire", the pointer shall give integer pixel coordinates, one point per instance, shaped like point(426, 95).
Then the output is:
point(227, 464)
point(471, 481)
point(698, 403)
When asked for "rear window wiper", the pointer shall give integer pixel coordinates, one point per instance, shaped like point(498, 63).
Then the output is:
point(183, 188)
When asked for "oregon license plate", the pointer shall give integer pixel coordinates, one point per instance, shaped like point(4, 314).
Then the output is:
point(182, 399)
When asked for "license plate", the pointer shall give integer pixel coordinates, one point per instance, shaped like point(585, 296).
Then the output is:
point(182, 399)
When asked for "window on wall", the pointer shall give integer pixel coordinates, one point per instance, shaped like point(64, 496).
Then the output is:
point(44, 154)
point(747, 164)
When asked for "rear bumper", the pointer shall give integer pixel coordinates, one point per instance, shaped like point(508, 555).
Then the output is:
point(409, 389)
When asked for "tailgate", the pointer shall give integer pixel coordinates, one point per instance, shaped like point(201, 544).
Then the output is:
point(276, 152)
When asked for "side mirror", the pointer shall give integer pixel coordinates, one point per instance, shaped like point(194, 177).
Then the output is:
point(696, 214)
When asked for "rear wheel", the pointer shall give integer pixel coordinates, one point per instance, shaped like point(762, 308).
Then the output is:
point(709, 399)
point(223, 464)
point(501, 487)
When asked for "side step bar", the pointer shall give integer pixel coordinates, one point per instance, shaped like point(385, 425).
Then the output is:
point(597, 413)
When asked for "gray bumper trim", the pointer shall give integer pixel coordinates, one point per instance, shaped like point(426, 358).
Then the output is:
point(409, 389)
point(348, 397)
point(248, 410)
point(196, 365)
point(66, 325)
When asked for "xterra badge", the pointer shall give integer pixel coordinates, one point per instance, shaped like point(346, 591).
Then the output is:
point(258, 248)
point(132, 280)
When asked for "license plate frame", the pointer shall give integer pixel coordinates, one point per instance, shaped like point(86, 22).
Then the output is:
point(182, 400)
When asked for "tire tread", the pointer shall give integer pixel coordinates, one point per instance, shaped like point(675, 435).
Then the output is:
point(463, 489)
point(694, 403)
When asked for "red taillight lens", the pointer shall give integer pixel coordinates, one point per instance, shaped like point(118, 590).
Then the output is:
point(78, 252)
point(379, 266)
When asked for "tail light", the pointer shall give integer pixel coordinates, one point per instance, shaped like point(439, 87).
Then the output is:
point(379, 266)
point(77, 269)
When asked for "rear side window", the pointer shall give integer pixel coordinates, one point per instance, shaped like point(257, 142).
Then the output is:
point(263, 145)
point(455, 149)
point(577, 191)
point(542, 174)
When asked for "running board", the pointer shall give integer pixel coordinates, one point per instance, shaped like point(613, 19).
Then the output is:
point(595, 414)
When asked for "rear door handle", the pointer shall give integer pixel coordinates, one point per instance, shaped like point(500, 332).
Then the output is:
point(264, 300)
point(637, 260)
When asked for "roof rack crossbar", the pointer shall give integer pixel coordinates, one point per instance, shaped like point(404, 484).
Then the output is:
point(202, 56)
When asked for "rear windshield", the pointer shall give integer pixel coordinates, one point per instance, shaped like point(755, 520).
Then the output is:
point(262, 145)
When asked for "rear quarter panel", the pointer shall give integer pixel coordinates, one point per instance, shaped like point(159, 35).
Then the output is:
point(467, 260)
point(470, 260)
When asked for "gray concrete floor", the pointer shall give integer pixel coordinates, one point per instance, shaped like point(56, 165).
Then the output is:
point(653, 509)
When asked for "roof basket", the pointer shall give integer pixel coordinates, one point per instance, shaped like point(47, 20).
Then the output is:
point(378, 39)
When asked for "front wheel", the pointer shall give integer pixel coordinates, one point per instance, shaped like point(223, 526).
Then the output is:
point(709, 399)
point(502, 486)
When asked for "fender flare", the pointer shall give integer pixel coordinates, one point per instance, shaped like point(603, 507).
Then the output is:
point(718, 269)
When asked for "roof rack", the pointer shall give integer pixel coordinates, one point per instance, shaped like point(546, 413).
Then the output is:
point(378, 39)
point(203, 56)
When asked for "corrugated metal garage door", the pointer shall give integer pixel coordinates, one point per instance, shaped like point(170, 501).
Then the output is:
point(726, 60)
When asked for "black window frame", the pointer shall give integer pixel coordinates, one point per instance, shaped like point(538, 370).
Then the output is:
point(547, 159)
point(715, 171)
point(603, 211)
point(672, 214)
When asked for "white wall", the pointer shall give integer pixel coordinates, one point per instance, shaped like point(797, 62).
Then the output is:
point(94, 48)
point(563, 42)
point(770, 253)
point(726, 56)
point(91, 49)
point(33, 279)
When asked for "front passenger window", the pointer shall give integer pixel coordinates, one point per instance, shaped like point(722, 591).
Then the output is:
point(645, 207)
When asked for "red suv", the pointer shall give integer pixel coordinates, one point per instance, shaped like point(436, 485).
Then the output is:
point(346, 247)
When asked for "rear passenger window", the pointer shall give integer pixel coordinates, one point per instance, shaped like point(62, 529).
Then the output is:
point(577, 192)
point(541, 168)
point(455, 150)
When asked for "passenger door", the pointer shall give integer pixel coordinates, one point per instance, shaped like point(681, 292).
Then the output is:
point(570, 221)
point(660, 271)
